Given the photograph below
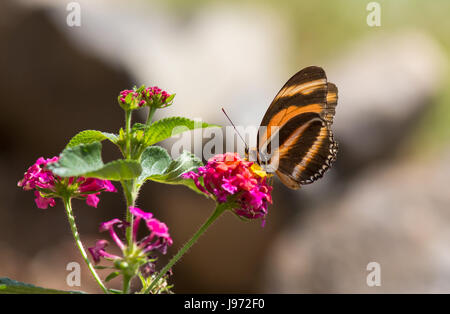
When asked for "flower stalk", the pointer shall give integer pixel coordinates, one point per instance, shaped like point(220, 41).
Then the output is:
point(76, 236)
point(128, 133)
point(216, 214)
point(151, 112)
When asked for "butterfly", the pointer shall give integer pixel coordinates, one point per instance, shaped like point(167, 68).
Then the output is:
point(294, 138)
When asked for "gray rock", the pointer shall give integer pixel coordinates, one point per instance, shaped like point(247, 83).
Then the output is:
point(385, 82)
point(50, 91)
point(397, 216)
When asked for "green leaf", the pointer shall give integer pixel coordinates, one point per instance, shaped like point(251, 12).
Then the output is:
point(154, 161)
point(10, 286)
point(117, 170)
point(85, 160)
point(168, 127)
point(112, 276)
point(101, 267)
point(170, 98)
point(172, 174)
point(184, 163)
point(139, 126)
point(78, 160)
point(91, 136)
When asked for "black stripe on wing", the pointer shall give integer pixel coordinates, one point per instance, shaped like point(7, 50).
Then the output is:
point(310, 155)
point(299, 148)
point(284, 135)
point(307, 87)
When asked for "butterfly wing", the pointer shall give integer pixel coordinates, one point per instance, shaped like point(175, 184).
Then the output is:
point(296, 129)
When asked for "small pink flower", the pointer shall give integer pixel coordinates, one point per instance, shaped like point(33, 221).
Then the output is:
point(93, 184)
point(38, 176)
point(159, 229)
point(155, 97)
point(158, 237)
point(43, 202)
point(155, 227)
point(92, 200)
point(48, 185)
point(109, 226)
point(139, 213)
point(228, 177)
point(98, 251)
point(152, 96)
point(128, 102)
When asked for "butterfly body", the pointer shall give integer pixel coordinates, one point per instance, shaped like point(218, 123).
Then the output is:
point(295, 139)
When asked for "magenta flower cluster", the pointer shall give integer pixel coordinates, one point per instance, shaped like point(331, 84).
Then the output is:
point(156, 95)
point(48, 185)
point(151, 96)
point(158, 237)
point(227, 177)
point(135, 95)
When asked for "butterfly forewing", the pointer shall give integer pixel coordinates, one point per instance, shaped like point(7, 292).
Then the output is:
point(295, 136)
point(305, 92)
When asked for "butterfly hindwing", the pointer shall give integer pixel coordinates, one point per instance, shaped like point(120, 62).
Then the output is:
point(299, 120)
point(330, 107)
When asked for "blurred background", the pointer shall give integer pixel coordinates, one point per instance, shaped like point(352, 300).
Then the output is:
point(386, 199)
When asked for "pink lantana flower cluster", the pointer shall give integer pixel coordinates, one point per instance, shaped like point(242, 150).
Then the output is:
point(154, 96)
point(158, 238)
point(227, 177)
point(145, 96)
point(47, 185)
point(133, 99)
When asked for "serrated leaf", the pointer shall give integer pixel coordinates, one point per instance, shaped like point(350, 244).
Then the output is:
point(184, 163)
point(168, 127)
point(172, 175)
point(154, 160)
point(78, 160)
point(139, 126)
point(10, 286)
point(117, 170)
point(91, 136)
point(85, 160)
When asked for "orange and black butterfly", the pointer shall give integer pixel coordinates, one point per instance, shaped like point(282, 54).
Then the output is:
point(299, 119)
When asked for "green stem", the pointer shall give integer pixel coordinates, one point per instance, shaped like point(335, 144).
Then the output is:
point(216, 214)
point(151, 112)
point(73, 227)
point(129, 188)
point(128, 133)
point(126, 284)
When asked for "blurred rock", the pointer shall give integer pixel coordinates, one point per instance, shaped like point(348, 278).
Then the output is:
point(385, 83)
point(397, 216)
point(221, 54)
point(50, 91)
point(54, 83)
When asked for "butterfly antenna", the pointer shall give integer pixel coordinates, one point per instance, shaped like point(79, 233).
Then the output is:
point(246, 146)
